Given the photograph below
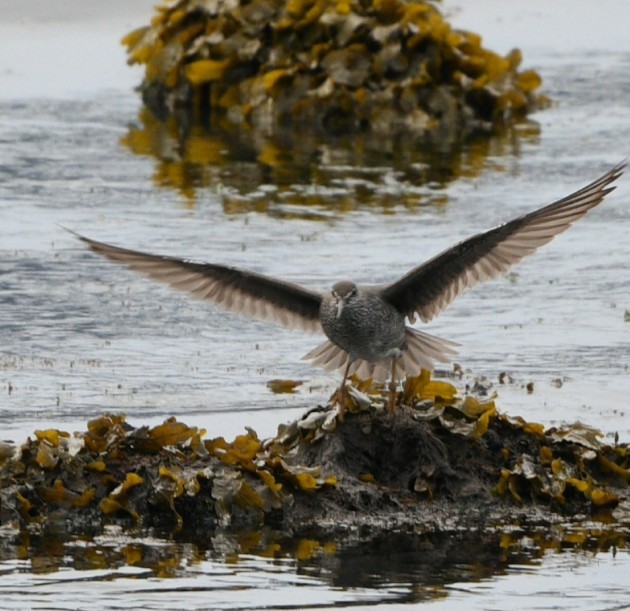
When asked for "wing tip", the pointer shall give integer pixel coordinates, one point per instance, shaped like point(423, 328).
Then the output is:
point(78, 236)
point(613, 174)
point(70, 231)
point(621, 166)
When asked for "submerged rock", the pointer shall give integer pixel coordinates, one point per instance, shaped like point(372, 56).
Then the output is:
point(435, 464)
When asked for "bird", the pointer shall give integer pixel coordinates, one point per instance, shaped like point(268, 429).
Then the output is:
point(366, 326)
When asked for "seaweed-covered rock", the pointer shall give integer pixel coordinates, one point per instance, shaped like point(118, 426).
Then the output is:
point(451, 455)
point(347, 65)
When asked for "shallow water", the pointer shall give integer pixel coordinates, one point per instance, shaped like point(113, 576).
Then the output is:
point(478, 571)
point(79, 336)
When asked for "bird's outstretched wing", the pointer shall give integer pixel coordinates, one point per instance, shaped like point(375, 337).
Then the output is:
point(234, 289)
point(429, 288)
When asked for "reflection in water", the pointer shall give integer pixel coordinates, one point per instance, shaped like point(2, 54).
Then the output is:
point(258, 171)
point(403, 567)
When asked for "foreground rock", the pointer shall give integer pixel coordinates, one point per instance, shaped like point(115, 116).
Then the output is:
point(443, 464)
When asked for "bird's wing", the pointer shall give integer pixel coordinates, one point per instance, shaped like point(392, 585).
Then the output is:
point(234, 289)
point(429, 288)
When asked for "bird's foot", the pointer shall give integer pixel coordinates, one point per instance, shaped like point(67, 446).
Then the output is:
point(393, 395)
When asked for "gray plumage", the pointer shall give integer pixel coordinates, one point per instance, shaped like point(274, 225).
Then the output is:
point(366, 326)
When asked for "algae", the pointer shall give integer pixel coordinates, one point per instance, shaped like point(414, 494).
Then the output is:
point(335, 66)
point(436, 463)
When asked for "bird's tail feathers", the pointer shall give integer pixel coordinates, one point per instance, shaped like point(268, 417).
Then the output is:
point(421, 351)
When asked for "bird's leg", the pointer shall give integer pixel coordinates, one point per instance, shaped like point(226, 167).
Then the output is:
point(392, 387)
point(342, 393)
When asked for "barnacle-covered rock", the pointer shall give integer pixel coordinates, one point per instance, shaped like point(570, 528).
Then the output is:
point(331, 65)
point(454, 454)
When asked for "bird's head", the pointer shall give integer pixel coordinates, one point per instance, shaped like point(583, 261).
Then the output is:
point(342, 293)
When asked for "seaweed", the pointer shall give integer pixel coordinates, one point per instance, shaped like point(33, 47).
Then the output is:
point(452, 454)
point(335, 66)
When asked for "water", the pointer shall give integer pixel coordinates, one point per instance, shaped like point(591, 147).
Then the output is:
point(266, 571)
point(79, 336)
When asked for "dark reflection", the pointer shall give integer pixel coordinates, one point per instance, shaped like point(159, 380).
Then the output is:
point(411, 567)
point(301, 169)
point(423, 565)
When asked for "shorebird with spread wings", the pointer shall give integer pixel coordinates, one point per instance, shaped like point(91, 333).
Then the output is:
point(366, 325)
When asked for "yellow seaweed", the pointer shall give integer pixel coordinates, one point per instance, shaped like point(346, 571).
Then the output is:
point(307, 40)
point(171, 433)
point(483, 422)
point(96, 465)
point(283, 386)
point(52, 436)
point(528, 80)
point(305, 481)
point(270, 481)
point(438, 391)
point(271, 78)
point(207, 70)
point(611, 467)
point(168, 474)
point(131, 480)
point(58, 494)
point(46, 456)
point(601, 498)
point(248, 497)
point(306, 549)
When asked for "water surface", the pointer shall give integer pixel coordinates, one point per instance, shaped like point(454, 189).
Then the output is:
point(79, 335)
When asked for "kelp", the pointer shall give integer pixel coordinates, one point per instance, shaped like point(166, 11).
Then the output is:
point(452, 453)
point(330, 65)
point(147, 475)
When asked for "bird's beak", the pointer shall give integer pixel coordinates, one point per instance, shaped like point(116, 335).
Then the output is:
point(340, 305)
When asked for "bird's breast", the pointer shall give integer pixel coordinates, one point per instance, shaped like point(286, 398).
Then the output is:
point(368, 328)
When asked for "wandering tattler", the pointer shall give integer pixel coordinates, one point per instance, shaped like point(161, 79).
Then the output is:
point(365, 325)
